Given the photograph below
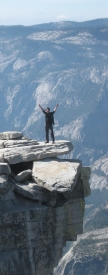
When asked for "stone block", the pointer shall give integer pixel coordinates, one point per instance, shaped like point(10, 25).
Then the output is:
point(56, 174)
point(10, 135)
point(4, 169)
point(1, 144)
point(1, 157)
point(23, 176)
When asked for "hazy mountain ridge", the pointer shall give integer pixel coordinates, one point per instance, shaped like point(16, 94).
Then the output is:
point(65, 63)
point(43, 66)
point(88, 256)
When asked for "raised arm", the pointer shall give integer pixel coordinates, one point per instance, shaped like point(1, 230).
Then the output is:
point(56, 108)
point(41, 107)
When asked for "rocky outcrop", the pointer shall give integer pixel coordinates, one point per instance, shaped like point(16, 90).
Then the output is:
point(41, 203)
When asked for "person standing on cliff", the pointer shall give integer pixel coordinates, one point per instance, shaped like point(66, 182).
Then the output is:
point(49, 121)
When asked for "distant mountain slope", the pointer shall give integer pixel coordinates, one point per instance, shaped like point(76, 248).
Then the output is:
point(64, 62)
point(89, 255)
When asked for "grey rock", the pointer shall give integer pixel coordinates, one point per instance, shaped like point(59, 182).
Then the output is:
point(22, 176)
point(10, 135)
point(85, 176)
point(19, 143)
point(38, 233)
point(62, 176)
point(56, 174)
point(37, 218)
point(1, 157)
point(36, 152)
point(4, 169)
point(1, 144)
point(33, 191)
point(3, 180)
point(6, 188)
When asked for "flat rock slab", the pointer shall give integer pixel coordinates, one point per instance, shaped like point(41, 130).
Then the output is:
point(19, 143)
point(11, 135)
point(36, 152)
point(56, 174)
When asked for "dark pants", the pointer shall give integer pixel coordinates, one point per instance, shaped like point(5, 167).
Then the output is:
point(47, 129)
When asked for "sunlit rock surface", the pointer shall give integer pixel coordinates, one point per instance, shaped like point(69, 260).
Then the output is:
point(17, 150)
point(41, 204)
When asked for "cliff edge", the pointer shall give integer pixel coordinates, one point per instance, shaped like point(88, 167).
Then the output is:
point(41, 203)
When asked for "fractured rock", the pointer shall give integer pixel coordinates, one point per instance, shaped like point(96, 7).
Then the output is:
point(33, 191)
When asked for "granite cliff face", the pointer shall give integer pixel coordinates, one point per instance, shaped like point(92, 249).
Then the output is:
point(41, 203)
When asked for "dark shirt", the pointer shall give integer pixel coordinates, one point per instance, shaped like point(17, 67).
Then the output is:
point(49, 120)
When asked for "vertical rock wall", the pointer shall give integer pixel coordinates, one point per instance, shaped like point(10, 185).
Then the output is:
point(40, 208)
point(32, 236)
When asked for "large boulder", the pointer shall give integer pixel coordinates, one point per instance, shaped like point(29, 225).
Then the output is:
point(62, 176)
